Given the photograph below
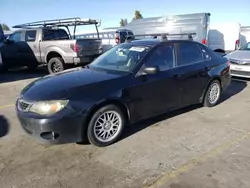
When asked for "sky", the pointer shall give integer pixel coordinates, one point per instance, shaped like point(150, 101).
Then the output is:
point(110, 12)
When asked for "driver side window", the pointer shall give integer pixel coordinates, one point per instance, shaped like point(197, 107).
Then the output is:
point(16, 36)
point(163, 57)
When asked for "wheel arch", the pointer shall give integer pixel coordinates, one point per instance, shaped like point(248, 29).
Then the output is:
point(207, 86)
point(123, 107)
point(51, 55)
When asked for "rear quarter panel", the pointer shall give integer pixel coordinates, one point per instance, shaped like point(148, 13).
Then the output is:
point(220, 70)
point(61, 46)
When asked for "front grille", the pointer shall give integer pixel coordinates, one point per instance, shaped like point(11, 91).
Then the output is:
point(23, 105)
point(243, 73)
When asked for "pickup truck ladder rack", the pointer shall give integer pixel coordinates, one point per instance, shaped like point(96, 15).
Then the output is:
point(163, 35)
point(66, 22)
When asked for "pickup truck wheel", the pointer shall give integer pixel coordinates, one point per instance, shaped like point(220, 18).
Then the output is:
point(56, 64)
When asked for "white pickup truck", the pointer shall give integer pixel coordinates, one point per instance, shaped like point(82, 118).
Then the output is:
point(46, 42)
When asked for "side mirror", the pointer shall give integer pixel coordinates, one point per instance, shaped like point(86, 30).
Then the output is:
point(151, 70)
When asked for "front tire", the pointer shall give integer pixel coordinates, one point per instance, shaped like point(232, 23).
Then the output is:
point(106, 126)
point(213, 94)
point(56, 64)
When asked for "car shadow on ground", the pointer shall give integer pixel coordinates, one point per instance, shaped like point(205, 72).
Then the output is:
point(4, 126)
point(22, 74)
point(235, 87)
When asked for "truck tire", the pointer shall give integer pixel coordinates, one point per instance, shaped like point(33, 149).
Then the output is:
point(56, 64)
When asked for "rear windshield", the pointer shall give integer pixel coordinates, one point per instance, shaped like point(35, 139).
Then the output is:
point(123, 57)
point(246, 47)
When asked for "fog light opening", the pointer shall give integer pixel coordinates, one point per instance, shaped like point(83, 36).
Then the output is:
point(50, 135)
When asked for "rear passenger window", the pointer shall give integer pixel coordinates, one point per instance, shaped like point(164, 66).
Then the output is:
point(189, 53)
point(48, 35)
point(30, 36)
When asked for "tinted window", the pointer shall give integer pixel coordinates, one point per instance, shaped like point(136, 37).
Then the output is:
point(123, 36)
point(16, 36)
point(163, 57)
point(56, 34)
point(131, 34)
point(189, 53)
point(62, 34)
point(48, 35)
point(30, 36)
point(204, 52)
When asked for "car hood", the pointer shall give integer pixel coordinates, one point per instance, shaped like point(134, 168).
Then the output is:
point(61, 85)
point(243, 55)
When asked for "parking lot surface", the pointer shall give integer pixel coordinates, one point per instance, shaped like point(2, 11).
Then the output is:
point(189, 148)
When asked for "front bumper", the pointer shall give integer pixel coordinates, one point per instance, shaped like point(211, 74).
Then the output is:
point(64, 129)
point(240, 70)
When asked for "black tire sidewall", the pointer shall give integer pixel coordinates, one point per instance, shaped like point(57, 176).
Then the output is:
point(90, 131)
point(53, 60)
point(206, 100)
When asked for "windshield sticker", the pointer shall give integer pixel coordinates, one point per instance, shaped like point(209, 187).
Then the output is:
point(137, 49)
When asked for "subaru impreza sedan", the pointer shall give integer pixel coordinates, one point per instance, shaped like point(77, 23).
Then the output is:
point(130, 82)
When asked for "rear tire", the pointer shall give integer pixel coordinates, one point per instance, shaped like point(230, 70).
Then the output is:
point(213, 94)
point(106, 126)
point(56, 64)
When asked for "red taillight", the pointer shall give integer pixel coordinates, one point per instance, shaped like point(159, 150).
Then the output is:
point(204, 41)
point(117, 39)
point(237, 42)
point(75, 47)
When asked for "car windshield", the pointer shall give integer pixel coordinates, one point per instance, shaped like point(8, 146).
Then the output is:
point(246, 47)
point(123, 57)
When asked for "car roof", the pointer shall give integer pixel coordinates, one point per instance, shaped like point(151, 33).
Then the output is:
point(154, 42)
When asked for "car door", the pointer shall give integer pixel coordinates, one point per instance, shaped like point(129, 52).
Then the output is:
point(193, 69)
point(157, 93)
point(10, 49)
point(30, 48)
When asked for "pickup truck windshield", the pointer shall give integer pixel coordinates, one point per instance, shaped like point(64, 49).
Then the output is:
point(121, 58)
point(246, 47)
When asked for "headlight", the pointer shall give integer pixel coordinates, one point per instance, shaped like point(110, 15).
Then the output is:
point(48, 107)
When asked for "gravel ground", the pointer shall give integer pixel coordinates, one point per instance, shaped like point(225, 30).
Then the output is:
point(189, 148)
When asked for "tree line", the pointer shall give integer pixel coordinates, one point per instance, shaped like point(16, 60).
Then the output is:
point(137, 15)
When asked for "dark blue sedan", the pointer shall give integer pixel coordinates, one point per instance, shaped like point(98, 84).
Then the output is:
point(130, 82)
